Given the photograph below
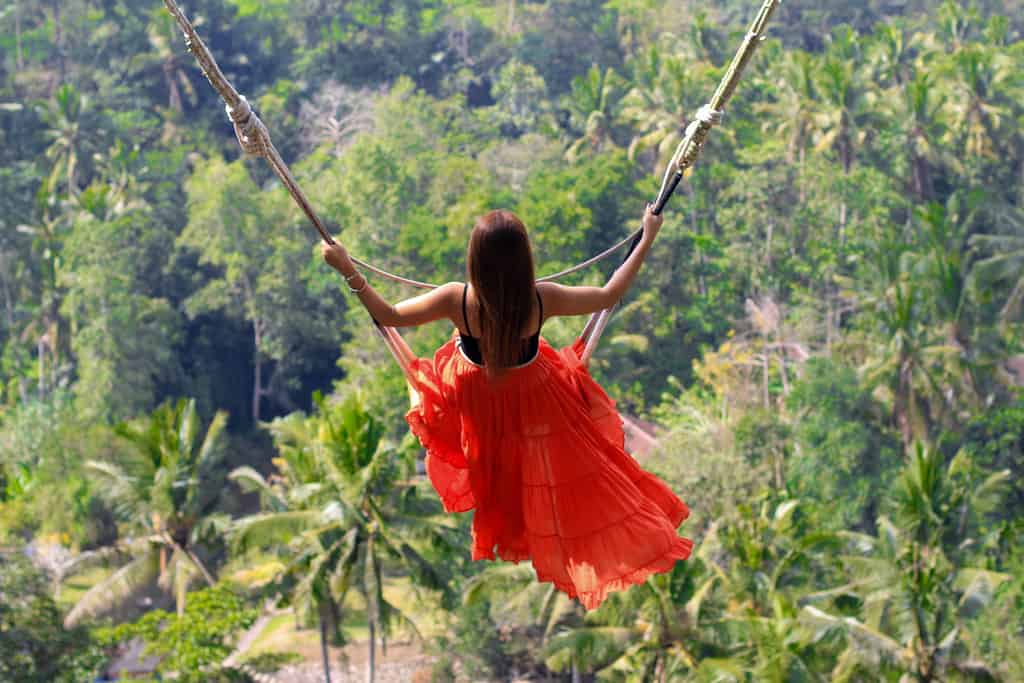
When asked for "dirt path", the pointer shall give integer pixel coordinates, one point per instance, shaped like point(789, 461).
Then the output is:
point(404, 663)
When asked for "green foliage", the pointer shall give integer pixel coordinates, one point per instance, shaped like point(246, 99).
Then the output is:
point(35, 647)
point(44, 487)
point(996, 441)
point(477, 642)
point(193, 645)
point(843, 461)
point(828, 330)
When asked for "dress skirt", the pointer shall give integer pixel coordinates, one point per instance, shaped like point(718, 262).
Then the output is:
point(538, 455)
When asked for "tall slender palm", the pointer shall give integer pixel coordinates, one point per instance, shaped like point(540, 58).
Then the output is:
point(912, 101)
point(340, 508)
point(70, 124)
point(594, 105)
point(544, 614)
point(845, 112)
point(986, 84)
point(842, 105)
point(170, 62)
point(892, 52)
point(915, 363)
point(162, 486)
point(790, 115)
point(919, 117)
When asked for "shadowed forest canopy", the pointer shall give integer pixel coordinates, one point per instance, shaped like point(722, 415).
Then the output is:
point(827, 336)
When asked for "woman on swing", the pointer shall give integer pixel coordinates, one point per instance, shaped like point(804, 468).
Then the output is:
point(520, 432)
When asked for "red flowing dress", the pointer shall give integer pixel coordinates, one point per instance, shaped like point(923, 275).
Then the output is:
point(539, 456)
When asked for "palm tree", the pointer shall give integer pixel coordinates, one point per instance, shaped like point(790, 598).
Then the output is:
point(339, 507)
point(791, 114)
point(69, 126)
point(915, 363)
point(526, 604)
point(913, 579)
point(841, 91)
point(1001, 262)
point(913, 102)
point(922, 124)
point(985, 100)
point(594, 106)
point(844, 116)
point(653, 632)
point(668, 90)
point(169, 61)
point(161, 486)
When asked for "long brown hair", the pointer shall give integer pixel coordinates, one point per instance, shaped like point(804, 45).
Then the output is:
point(499, 265)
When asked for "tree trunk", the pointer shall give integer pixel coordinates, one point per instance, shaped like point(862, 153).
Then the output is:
point(371, 660)
point(846, 154)
point(701, 284)
point(58, 40)
point(19, 59)
point(800, 177)
point(902, 406)
point(828, 322)
point(780, 467)
point(173, 93)
point(257, 386)
point(324, 654)
point(842, 222)
point(765, 367)
point(198, 564)
point(576, 677)
point(257, 369)
point(782, 370)
point(42, 366)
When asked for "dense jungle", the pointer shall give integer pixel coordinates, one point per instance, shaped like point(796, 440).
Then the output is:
point(205, 474)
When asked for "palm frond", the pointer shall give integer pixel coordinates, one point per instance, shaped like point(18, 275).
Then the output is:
point(99, 599)
point(872, 644)
point(266, 529)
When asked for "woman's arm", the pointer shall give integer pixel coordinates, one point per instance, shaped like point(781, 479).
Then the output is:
point(434, 305)
point(562, 300)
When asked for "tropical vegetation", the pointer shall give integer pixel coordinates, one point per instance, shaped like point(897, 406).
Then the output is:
point(201, 435)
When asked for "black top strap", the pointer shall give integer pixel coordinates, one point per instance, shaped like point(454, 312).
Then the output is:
point(465, 318)
point(540, 317)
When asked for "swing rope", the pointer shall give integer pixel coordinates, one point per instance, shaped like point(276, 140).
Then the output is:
point(254, 139)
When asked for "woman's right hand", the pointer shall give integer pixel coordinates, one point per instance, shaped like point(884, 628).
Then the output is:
point(652, 223)
point(337, 257)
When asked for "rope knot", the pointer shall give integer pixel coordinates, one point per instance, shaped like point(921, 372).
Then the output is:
point(240, 113)
point(705, 116)
point(709, 116)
